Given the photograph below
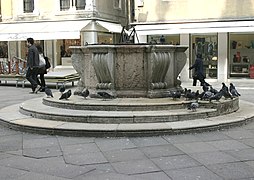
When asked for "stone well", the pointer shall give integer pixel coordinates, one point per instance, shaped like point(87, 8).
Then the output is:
point(129, 70)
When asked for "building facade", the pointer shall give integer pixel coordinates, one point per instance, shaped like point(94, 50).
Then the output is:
point(221, 30)
point(56, 25)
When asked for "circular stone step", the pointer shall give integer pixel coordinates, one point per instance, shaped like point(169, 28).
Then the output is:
point(43, 111)
point(12, 118)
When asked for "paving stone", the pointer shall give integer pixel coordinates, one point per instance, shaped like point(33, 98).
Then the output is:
point(148, 141)
point(194, 147)
point(50, 166)
point(236, 170)
point(135, 167)
point(250, 163)
point(108, 176)
point(40, 142)
point(214, 157)
point(228, 145)
point(80, 148)
point(10, 143)
point(36, 176)
point(124, 155)
point(11, 173)
point(84, 159)
point(99, 169)
point(4, 155)
point(43, 152)
point(74, 140)
point(161, 151)
point(175, 162)
point(212, 136)
point(182, 138)
point(152, 176)
point(239, 134)
point(6, 132)
point(191, 173)
point(114, 143)
point(242, 154)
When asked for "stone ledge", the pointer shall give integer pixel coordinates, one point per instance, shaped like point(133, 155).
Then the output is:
point(29, 124)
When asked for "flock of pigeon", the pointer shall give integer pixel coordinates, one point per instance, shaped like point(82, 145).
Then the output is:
point(208, 94)
point(65, 95)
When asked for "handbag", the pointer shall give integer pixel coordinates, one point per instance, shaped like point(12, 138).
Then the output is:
point(42, 61)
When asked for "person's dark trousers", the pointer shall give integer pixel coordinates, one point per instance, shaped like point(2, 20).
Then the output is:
point(31, 76)
point(42, 83)
point(42, 78)
point(194, 81)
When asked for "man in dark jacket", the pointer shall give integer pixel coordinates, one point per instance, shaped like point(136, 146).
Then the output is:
point(199, 72)
point(32, 65)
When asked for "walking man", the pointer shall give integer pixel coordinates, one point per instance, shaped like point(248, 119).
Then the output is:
point(198, 72)
point(32, 65)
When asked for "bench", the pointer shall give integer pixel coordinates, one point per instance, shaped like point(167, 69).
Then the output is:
point(52, 77)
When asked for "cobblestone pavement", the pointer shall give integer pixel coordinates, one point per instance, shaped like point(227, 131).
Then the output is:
point(224, 154)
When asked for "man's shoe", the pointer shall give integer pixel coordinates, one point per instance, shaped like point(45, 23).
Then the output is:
point(32, 92)
point(37, 89)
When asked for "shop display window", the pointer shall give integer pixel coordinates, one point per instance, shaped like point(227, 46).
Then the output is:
point(164, 39)
point(3, 49)
point(207, 45)
point(241, 54)
point(64, 48)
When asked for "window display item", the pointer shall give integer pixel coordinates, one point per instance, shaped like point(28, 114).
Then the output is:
point(234, 43)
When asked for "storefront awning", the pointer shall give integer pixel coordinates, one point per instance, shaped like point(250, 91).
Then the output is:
point(111, 27)
point(185, 28)
point(50, 30)
point(41, 30)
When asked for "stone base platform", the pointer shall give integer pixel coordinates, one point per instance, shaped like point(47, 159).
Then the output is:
point(122, 117)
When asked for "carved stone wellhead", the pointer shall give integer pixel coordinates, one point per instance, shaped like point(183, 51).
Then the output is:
point(160, 64)
point(130, 70)
point(101, 67)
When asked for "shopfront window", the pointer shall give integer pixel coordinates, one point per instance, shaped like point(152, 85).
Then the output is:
point(241, 54)
point(66, 43)
point(28, 6)
point(3, 49)
point(64, 55)
point(164, 39)
point(207, 46)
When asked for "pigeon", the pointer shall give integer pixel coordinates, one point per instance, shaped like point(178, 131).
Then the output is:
point(214, 91)
point(65, 95)
point(225, 91)
point(85, 93)
point(207, 95)
point(193, 106)
point(105, 95)
point(175, 94)
point(233, 90)
point(62, 89)
point(217, 96)
point(48, 92)
point(190, 95)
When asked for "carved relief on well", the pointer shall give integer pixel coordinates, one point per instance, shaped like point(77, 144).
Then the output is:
point(160, 62)
point(102, 70)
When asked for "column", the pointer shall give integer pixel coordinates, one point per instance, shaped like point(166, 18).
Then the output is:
point(184, 75)
point(222, 57)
